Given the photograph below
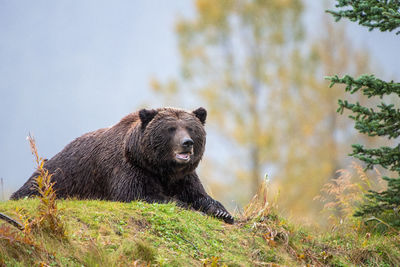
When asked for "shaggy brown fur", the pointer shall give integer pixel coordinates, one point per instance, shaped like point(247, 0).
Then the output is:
point(149, 155)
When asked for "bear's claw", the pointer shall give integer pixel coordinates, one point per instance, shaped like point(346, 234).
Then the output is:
point(225, 216)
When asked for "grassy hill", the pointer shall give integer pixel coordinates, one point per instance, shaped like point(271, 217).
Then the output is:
point(100, 233)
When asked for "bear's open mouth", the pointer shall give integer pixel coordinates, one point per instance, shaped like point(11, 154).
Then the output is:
point(183, 156)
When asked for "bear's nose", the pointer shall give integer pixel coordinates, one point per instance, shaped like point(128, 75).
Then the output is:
point(187, 142)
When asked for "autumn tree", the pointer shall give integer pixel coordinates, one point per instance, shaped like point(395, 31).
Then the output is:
point(260, 78)
point(382, 119)
point(316, 138)
point(234, 53)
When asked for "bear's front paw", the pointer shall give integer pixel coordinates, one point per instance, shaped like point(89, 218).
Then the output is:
point(224, 215)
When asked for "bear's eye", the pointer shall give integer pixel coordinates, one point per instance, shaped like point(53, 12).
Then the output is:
point(171, 129)
point(190, 129)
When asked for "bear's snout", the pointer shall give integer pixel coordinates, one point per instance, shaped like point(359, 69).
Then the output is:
point(184, 146)
point(187, 142)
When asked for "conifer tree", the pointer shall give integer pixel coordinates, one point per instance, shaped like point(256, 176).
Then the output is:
point(381, 120)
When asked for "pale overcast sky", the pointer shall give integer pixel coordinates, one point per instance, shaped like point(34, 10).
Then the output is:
point(69, 67)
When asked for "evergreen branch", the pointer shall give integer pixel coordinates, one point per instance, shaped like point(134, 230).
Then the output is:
point(392, 197)
point(368, 84)
point(387, 157)
point(384, 15)
point(387, 200)
point(385, 122)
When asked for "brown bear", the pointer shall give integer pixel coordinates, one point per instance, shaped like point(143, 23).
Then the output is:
point(149, 155)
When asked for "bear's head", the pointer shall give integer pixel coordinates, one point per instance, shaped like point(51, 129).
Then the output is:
point(167, 141)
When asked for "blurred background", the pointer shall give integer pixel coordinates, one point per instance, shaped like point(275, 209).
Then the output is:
point(258, 67)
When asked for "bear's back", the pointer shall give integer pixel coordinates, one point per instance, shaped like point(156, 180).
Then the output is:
point(85, 166)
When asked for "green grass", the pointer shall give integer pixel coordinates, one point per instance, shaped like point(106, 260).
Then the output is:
point(100, 233)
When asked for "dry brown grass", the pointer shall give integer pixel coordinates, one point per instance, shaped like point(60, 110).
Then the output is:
point(342, 196)
point(259, 206)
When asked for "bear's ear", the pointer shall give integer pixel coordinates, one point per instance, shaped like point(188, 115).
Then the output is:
point(146, 115)
point(201, 114)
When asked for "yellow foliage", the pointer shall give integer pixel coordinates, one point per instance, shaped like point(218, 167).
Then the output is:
point(213, 12)
point(155, 84)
